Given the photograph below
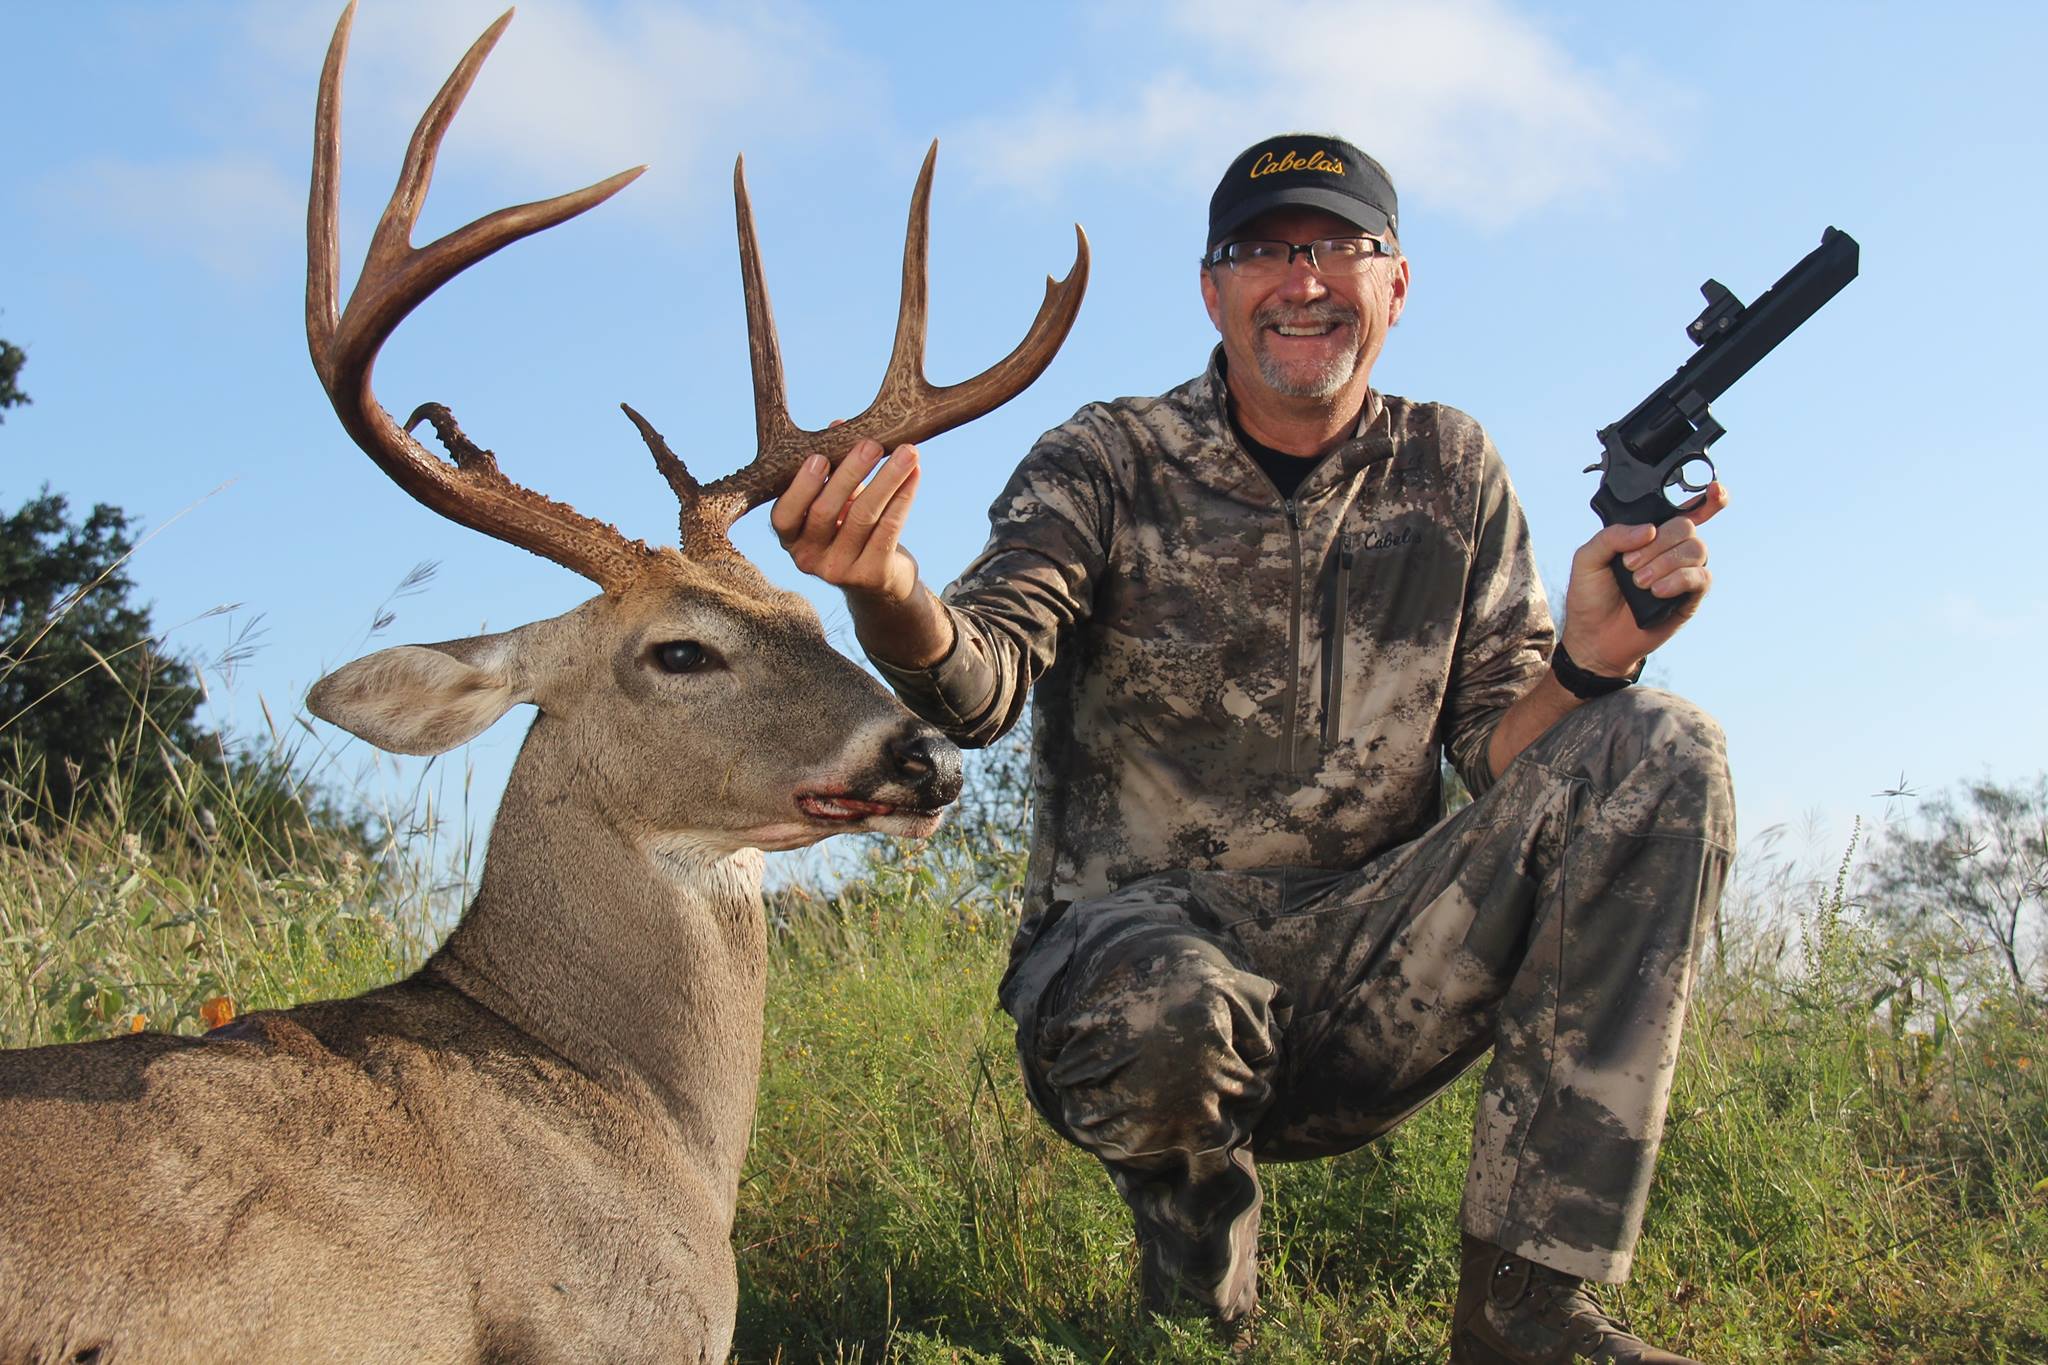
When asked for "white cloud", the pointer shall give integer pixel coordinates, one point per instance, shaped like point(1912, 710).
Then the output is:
point(234, 215)
point(1477, 110)
point(576, 91)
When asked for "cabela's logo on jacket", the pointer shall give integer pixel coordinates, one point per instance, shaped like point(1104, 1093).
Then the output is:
point(1268, 164)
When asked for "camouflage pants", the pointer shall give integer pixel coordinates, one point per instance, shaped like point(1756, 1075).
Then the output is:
point(1187, 1025)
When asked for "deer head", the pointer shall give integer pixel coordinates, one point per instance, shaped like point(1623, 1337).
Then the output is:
point(689, 663)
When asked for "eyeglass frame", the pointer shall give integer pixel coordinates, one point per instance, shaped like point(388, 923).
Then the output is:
point(1220, 253)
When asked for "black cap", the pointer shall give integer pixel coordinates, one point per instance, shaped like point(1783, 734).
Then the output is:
point(1305, 170)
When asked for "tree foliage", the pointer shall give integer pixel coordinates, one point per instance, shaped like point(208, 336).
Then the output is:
point(85, 690)
point(12, 358)
point(1977, 858)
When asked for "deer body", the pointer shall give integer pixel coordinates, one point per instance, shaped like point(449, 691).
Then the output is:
point(397, 1177)
point(530, 1150)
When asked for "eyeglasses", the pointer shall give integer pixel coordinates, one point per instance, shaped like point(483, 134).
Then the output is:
point(1326, 255)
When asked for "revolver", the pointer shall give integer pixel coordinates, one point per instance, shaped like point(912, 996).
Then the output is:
point(1663, 441)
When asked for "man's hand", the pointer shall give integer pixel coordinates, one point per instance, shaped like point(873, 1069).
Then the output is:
point(847, 534)
point(1600, 633)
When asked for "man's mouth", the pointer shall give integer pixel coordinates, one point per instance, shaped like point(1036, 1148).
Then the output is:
point(1306, 324)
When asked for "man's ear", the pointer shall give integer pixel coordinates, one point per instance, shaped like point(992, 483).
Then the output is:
point(1399, 290)
point(423, 699)
point(1211, 299)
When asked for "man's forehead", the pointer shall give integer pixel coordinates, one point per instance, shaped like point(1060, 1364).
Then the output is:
point(1294, 223)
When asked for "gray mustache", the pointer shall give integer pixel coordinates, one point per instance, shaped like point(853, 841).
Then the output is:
point(1312, 314)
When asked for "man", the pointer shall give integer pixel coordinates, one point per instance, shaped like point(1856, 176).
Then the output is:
point(1253, 614)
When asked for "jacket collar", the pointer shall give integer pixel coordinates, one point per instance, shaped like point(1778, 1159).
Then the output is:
point(1229, 467)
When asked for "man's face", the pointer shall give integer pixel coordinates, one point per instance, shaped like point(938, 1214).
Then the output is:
point(1302, 334)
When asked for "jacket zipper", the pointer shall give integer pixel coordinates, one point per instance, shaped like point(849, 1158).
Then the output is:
point(1333, 652)
point(1288, 756)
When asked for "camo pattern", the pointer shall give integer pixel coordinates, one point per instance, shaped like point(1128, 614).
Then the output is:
point(1196, 705)
point(1189, 1023)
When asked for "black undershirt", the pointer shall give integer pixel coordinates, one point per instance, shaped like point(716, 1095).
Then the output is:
point(1285, 470)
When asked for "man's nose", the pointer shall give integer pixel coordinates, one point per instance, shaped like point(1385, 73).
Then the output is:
point(1302, 281)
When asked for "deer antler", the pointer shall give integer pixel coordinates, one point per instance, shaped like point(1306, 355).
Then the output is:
point(908, 407)
point(396, 278)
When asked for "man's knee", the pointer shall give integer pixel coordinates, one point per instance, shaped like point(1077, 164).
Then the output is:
point(1165, 1055)
point(1656, 749)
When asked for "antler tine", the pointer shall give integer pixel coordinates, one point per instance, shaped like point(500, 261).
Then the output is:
point(908, 407)
point(771, 393)
point(396, 278)
point(906, 357)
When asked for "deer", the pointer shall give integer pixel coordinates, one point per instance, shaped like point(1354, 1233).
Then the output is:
point(530, 1148)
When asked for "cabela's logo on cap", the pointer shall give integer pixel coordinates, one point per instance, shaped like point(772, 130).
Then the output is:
point(1268, 164)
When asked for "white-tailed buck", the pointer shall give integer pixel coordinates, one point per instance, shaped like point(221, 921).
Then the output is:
point(530, 1149)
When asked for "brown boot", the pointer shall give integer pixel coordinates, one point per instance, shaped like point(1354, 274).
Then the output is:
point(1515, 1312)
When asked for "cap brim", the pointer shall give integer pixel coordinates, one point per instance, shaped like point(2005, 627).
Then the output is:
point(1354, 211)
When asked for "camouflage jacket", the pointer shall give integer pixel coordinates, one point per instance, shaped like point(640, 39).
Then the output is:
point(1223, 678)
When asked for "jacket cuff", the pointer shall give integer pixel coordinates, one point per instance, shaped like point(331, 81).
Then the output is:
point(950, 693)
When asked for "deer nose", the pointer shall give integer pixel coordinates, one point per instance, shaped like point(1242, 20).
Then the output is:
point(928, 762)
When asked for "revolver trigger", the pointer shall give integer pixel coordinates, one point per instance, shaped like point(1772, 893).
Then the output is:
point(1699, 467)
point(1595, 467)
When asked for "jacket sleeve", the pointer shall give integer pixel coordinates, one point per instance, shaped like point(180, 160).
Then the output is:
point(1049, 537)
point(1505, 636)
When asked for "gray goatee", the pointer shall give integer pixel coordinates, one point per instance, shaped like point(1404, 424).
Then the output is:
point(1325, 380)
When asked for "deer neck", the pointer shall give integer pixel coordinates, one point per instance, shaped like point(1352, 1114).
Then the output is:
point(640, 959)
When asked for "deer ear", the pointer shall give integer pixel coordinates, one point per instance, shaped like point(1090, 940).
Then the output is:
point(422, 699)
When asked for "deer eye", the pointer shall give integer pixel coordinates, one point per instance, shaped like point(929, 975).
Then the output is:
point(683, 656)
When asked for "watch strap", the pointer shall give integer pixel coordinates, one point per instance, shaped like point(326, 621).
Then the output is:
point(1582, 684)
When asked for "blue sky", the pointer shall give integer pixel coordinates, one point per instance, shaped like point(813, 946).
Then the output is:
point(1569, 175)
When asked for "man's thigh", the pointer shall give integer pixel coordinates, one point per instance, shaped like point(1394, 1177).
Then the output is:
point(1373, 989)
point(1318, 1008)
point(1396, 972)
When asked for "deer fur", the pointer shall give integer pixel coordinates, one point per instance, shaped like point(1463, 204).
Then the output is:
point(530, 1149)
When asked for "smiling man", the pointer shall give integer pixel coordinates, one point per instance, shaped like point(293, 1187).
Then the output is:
point(1253, 617)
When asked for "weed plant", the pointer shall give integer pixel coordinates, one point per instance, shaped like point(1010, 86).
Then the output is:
point(237, 887)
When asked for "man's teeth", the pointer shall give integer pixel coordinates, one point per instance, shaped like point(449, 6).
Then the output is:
point(1321, 329)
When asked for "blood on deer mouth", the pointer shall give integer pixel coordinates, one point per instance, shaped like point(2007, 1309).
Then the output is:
point(819, 806)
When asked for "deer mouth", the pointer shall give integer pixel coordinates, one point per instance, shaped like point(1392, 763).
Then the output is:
point(877, 816)
point(840, 809)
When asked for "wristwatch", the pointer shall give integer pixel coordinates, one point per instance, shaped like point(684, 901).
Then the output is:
point(1583, 685)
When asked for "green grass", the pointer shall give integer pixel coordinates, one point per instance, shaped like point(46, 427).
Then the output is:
point(231, 888)
point(1855, 1168)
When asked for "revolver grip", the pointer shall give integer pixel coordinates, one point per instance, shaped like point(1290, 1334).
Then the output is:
point(1654, 509)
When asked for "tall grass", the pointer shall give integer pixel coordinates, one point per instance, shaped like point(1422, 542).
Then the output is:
point(237, 887)
point(1855, 1167)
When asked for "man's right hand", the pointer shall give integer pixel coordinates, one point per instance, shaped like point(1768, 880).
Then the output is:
point(847, 534)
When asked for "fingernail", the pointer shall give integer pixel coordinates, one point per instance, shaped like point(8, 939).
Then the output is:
point(815, 466)
point(1632, 559)
point(1643, 579)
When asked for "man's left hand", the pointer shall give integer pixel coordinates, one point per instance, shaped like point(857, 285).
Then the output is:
point(1600, 632)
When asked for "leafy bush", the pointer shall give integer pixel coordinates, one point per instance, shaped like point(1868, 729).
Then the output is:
point(87, 695)
point(1976, 860)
